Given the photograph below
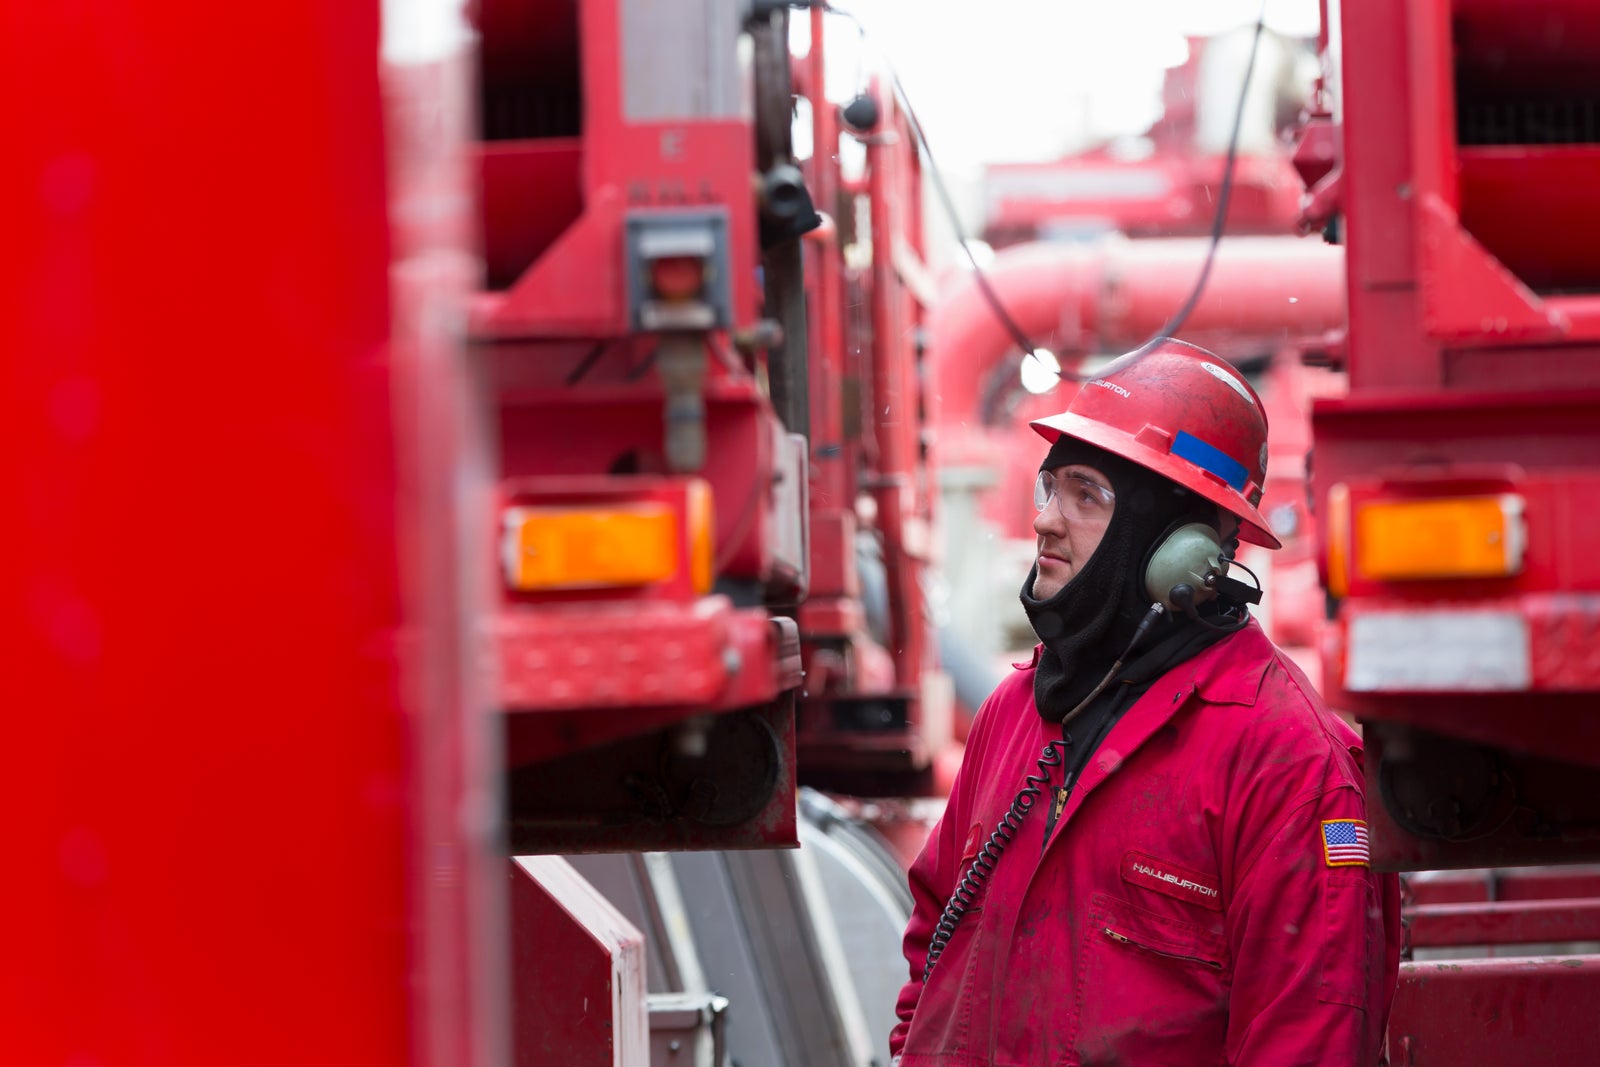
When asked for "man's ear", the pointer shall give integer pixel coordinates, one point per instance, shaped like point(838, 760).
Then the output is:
point(1228, 531)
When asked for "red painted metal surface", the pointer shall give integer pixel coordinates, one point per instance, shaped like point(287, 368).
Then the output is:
point(1471, 362)
point(612, 417)
point(645, 654)
point(1503, 923)
point(580, 400)
point(833, 552)
point(1539, 807)
point(617, 653)
point(1503, 884)
point(836, 617)
point(1495, 1013)
point(591, 1011)
point(559, 275)
point(460, 913)
point(1472, 345)
point(1562, 631)
point(216, 780)
point(598, 684)
point(893, 177)
point(1514, 278)
point(1295, 607)
point(1560, 730)
point(1414, 190)
point(870, 413)
point(835, 433)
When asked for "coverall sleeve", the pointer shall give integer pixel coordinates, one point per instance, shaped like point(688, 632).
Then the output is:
point(1311, 945)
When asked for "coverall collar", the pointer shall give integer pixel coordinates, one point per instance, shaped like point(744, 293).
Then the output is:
point(1228, 672)
point(1212, 677)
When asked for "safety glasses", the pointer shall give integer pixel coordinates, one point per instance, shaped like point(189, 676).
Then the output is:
point(1077, 498)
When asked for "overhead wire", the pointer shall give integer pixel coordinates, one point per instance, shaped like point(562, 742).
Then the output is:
point(980, 276)
point(936, 176)
point(1225, 191)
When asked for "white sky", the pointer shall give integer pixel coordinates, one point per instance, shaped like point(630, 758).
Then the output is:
point(1006, 80)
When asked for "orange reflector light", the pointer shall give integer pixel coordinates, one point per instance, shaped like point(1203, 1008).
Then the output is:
point(677, 277)
point(1338, 576)
point(701, 517)
point(568, 548)
point(1454, 537)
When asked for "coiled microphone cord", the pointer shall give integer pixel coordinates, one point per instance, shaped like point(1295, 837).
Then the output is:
point(983, 864)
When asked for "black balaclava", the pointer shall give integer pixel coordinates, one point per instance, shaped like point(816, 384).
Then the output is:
point(1089, 622)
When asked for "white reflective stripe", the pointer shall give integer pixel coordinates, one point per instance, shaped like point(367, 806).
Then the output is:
point(1437, 650)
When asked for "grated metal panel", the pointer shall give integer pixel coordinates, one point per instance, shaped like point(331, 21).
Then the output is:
point(1518, 122)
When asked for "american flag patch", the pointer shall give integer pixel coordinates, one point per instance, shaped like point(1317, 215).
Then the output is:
point(1344, 843)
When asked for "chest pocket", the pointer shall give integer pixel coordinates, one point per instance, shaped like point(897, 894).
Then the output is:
point(1149, 989)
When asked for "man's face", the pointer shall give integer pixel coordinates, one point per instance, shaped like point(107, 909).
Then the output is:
point(1077, 504)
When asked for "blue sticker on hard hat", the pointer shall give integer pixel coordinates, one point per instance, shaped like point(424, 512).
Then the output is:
point(1211, 458)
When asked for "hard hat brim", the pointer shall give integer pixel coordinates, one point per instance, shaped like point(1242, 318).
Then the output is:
point(1253, 525)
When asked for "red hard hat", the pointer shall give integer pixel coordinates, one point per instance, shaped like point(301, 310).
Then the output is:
point(1184, 413)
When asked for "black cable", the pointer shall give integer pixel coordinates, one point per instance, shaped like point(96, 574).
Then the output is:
point(945, 199)
point(1184, 597)
point(1219, 220)
point(1234, 562)
point(983, 864)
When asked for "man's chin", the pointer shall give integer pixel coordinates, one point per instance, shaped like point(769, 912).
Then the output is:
point(1045, 588)
point(1051, 575)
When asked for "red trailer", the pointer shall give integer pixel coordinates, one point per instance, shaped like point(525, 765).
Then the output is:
point(701, 356)
point(1448, 486)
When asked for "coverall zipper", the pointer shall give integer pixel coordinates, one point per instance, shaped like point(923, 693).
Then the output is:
point(1062, 792)
point(1125, 940)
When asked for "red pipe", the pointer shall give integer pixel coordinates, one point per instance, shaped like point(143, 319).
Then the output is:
point(1111, 295)
point(831, 487)
point(894, 415)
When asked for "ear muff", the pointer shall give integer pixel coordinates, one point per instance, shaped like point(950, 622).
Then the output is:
point(1187, 560)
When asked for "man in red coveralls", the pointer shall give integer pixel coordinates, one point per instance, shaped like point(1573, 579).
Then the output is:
point(1193, 885)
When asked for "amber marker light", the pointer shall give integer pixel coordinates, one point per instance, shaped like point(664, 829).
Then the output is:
point(1441, 537)
point(587, 548)
point(700, 516)
point(1339, 540)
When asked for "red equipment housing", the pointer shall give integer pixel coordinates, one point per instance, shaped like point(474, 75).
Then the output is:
point(1474, 383)
point(1445, 480)
point(875, 711)
point(608, 332)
